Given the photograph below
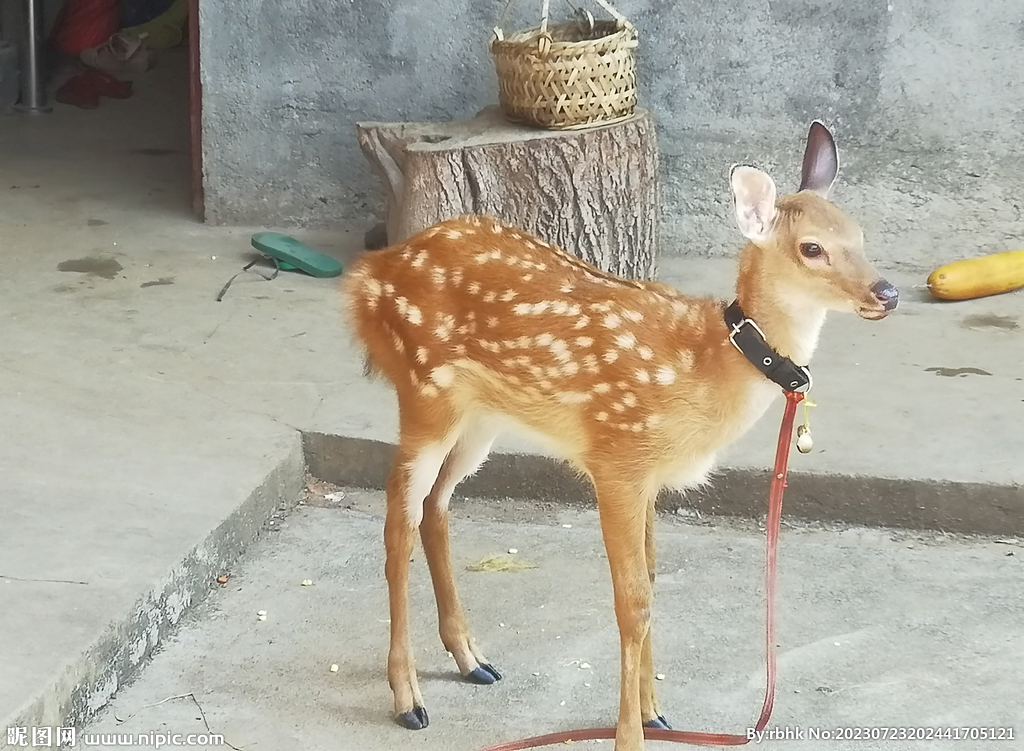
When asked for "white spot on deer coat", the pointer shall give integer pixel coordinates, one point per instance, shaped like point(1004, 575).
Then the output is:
point(560, 350)
point(444, 328)
point(625, 341)
point(443, 375)
point(408, 311)
point(665, 375)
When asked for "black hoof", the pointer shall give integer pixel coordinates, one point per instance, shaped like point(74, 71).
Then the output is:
point(415, 719)
point(485, 675)
point(658, 723)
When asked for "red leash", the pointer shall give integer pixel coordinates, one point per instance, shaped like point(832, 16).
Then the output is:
point(778, 487)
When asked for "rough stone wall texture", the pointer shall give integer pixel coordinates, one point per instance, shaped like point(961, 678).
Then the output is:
point(925, 96)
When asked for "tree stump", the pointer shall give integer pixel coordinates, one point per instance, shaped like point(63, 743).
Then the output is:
point(593, 192)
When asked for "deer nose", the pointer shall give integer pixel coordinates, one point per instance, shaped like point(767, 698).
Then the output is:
point(886, 294)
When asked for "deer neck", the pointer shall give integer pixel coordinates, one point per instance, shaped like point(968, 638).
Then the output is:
point(790, 319)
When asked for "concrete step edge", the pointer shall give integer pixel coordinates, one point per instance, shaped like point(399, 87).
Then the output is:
point(90, 678)
point(956, 507)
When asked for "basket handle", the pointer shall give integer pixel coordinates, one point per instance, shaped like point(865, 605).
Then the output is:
point(499, 36)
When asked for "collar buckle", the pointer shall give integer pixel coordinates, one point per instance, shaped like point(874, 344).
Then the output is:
point(753, 345)
point(736, 328)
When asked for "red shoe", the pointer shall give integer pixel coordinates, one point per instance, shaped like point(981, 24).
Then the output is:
point(79, 92)
point(105, 84)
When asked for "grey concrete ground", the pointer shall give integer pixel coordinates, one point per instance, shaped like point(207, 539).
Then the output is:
point(150, 431)
point(876, 629)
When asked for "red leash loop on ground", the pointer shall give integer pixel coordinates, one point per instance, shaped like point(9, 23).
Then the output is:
point(778, 488)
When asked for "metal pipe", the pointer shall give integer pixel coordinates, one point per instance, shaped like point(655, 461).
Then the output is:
point(33, 51)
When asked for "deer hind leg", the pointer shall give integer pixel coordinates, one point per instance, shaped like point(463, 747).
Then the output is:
point(469, 453)
point(623, 512)
point(648, 701)
point(426, 438)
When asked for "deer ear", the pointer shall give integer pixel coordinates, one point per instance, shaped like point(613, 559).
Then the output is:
point(754, 195)
point(821, 160)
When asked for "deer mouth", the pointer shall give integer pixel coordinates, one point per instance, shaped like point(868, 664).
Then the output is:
point(873, 314)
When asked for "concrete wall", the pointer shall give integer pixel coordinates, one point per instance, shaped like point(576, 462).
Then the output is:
point(925, 96)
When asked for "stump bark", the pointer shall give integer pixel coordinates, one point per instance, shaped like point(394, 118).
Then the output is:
point(593, 192)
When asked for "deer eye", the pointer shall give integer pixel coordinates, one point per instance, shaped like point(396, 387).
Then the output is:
point(811, 250)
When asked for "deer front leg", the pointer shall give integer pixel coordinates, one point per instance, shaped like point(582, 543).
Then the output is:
point(652, 717)
point(413, 474)
point(465, 458)
point(623, 513)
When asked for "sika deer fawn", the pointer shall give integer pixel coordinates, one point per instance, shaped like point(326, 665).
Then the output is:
point(481, 327)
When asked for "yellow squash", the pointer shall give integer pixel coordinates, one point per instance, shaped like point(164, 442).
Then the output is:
point(978, 277)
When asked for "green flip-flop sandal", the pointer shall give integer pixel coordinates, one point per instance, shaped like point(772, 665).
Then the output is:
point(293, 255)
point(288, 254)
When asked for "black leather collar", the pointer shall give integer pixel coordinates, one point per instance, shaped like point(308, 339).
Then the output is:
point(748, 338)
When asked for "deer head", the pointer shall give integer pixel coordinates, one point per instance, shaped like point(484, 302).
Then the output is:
point(816, 252)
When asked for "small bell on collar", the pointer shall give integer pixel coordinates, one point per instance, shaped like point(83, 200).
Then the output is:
point(804, 442)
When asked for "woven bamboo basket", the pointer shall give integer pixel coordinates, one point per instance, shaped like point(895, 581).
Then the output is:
point(577, 74)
